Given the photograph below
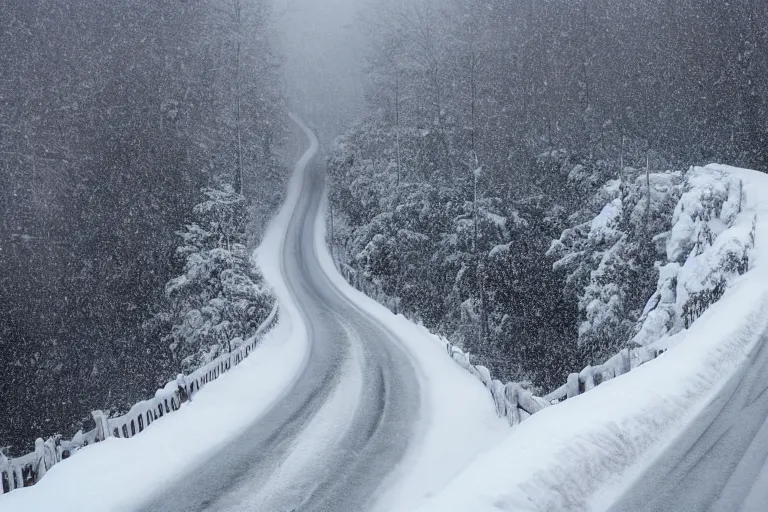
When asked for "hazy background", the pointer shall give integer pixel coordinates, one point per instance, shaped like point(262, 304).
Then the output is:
point(324, 49)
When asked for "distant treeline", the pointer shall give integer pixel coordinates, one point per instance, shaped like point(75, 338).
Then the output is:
point(505, 77)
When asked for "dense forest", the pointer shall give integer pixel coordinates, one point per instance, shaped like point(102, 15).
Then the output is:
point(137, 143)
point(514, 182)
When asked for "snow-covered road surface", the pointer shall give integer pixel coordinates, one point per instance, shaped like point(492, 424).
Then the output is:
point(297, 457)
point(715, 463)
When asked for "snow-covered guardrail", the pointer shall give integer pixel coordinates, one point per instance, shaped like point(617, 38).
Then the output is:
point(591, 376)
point(512, 400)
point(517, 403)
point(30, 468)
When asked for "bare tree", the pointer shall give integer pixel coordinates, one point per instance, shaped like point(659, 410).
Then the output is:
point(238, 19)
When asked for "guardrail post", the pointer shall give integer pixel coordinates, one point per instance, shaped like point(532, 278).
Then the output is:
point(51, 452)
point(4, 472)
point(102, 425)
point(628, 361)
point(497, 392)
point(573, 385)
point(182, 391)
point(512, 396)
point(38, 468)
point(587, 377)
point(18, 477)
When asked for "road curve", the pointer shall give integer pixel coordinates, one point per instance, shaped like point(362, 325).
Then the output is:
point(718, 462)
point(304, 455)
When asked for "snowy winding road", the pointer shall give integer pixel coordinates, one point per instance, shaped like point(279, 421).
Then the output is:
point(300, 456)
point(343, 406)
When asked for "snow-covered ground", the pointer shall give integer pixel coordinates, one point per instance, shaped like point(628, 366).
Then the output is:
point(581, 454)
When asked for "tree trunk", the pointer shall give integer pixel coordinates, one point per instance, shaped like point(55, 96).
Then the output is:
point(239, 170)
point(397, 123)
point(647, 192)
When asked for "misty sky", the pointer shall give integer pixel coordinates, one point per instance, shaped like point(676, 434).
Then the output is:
point(323, 48)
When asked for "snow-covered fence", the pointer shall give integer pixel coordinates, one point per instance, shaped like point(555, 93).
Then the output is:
point(30, 468)
point(516, 402)
point(592, 376)
point(700, 301)
point(512, 400)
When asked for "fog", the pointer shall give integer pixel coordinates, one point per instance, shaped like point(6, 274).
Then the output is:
point(323, 48)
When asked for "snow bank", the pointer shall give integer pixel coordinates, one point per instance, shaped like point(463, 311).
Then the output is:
point(580, 454)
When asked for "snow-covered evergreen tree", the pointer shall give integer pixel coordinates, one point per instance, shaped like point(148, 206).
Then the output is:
point(702, 253)
point(220, 298)
point(609, 253)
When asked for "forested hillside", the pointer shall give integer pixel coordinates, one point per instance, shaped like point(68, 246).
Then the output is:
point(515, 182)
point(113, 119)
